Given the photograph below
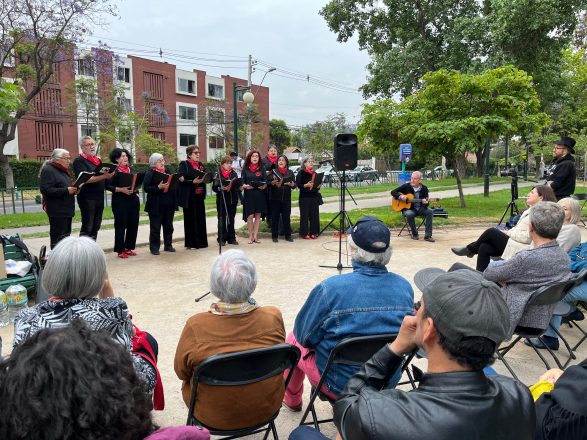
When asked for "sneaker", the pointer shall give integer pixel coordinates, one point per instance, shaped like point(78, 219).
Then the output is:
point(548, 340)
point(430, 239)
point(296, 408)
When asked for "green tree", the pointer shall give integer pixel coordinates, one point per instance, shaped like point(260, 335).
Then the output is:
point(11, 100)
point(279, 134)
point(36, 36)
point(317, 138)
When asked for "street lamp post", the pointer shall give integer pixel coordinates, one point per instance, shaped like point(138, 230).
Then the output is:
point(248, 97)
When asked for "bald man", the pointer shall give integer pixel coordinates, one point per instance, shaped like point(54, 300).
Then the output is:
point(418, 208)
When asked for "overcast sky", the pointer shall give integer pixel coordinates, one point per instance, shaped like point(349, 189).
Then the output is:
point(287, 34)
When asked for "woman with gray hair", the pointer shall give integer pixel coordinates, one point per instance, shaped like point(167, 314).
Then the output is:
point(58, 193)
point(546, 263)
point(233, 323)
point(569, 236)
point(161, 206)
point(310, 199)
point(76, 279)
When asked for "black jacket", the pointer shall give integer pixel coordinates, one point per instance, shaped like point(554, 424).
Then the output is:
point(301, 179)
point(89, 191)
point(445, 406)
point(53, 184)
point(230, 196)
point(282, 193)
point(406, 188)
point(187, 189)
point(157, 199)
point(563, 176)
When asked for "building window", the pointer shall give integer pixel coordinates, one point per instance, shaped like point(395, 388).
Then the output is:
point(215, 116)
point(187, 113)
point(186, 140)
point(49, 135)
point(215, 91)
point(86, 67)
point(153, 83)
point(48, 101)
point(158, 135)
point(186, 86)
point(123, 74)
point(88, 130)
point(215, 142)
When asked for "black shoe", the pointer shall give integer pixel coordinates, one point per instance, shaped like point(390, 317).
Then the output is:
point(575, 315)
point(430, 239)
point(462, 251)
point(223, 243)
point(289, 239)
point(234, 242)
point(169, 249)
point(548, 340)
point(275, 239)
point(155, 251)
point(415, 237)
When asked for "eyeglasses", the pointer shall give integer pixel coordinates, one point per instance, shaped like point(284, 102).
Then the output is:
point(417, 305)
point(559, 148)
point(65, 158)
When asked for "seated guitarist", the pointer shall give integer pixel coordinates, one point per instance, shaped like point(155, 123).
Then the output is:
point(419, 207)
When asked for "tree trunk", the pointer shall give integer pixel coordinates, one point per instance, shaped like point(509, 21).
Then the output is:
point(6, 168)
point(480, 162)
point(460, 166)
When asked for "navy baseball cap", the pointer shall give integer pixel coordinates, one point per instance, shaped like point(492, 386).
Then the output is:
point(370, 234)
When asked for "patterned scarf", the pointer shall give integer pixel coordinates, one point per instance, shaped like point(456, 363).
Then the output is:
point(224, 308)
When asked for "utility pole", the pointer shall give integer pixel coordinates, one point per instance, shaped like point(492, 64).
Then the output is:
point(249, 124)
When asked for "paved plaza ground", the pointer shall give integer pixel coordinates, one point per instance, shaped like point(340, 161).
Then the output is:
point(160, 292)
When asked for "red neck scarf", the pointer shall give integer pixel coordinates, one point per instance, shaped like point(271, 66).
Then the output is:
point(309, 171)
point(60, 168)
point(225, 173)
point(282, 170)
point(161, 170)
point(194, 163)
point(253, 168)
point(272, 159)
point(94, 159)
point(124, 169)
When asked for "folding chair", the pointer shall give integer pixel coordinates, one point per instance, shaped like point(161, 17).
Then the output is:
point(244, 368)
point(583, 197)
point(406, 225)
point(545, 295)
point(350, 351)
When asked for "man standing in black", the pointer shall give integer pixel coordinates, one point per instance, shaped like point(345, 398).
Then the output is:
point(562, 174)
point(418, 208)
point(91, 196)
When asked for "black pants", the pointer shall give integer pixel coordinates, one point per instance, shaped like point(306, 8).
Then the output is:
point(162, 218)
point(194, 224)
point(226, 219)
point(91, 211)
point(59, 228)
point(309, 216)
point(491, 243)
point(280, 213)
point(126, 221)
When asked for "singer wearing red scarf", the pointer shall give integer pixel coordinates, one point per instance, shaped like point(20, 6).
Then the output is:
point(254, 177)
point(58, 194)
point(227, 196)
point(192, 193)
point(125, 205)
point(280, 198)
point(309, 201)
point(91, 196)
point(270, 163)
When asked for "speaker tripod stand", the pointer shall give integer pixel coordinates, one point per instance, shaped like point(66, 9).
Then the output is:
point(511, 206)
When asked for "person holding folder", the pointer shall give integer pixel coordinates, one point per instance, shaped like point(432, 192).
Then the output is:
point(282, 181)
point(229, 184)
point(309, 200)
point(192, 192)
point(254, 177)
point(125, 203)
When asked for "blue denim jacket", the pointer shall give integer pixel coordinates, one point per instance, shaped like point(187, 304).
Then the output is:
point(368, 301)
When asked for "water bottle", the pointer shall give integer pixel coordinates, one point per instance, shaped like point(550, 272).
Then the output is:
point(4, 318)
point(17, 300)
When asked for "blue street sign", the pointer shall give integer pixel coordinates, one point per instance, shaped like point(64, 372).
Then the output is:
point(405, 152)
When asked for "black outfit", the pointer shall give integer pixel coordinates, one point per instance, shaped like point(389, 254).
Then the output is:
point(416, 209)
point(269, 167)
point(309, 205)
point(161, 207)
point(491, 243)
point(280, 204)
point(126, 211)
point(191, 199)
point(59, 204)
point(255, 199)
point(562, 413)
point(90, 199)
point(563, 176)
point(459, 405)
point(226, 213)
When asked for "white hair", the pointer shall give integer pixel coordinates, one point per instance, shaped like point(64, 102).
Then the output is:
point(81, 141)
point(76, 268)
point(154, 158)
point(417, 173)
point(362, 256)
point(233, 277)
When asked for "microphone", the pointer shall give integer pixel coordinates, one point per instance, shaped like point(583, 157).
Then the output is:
point(323, 162)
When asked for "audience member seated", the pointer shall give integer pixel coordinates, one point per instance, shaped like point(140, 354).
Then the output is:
point(76, 280)
point(461, 320)
point(569, 236)
point(234, 323)
point(545, 263)
point(561, 408)
point(76, 383)
point(368, 301)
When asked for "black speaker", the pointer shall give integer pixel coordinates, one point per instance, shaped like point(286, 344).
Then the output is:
point(345, 151)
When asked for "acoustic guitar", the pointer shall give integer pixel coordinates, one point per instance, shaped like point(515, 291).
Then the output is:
point(397, 205)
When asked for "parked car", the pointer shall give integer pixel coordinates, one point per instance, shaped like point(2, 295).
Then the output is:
point(363, 173)
point(329, 173)
point(294, 169)
point(438, 173)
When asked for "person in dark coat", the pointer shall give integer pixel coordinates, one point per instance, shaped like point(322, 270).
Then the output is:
point(562, 175)
point(227, 196)
point(254, 178)
point(309, 201)
point(270, 163)
point(280, 198)
point(161, 206)
point(91, 195)
point(192, 192)
point(125, 205)
point(58, 194)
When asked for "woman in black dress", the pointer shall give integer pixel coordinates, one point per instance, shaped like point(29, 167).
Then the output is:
point(309, 201)
point(192, 193)
point(254, 182)
point(270, 163)
point(226, 205)
point(125, 204)
point(280, 198)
